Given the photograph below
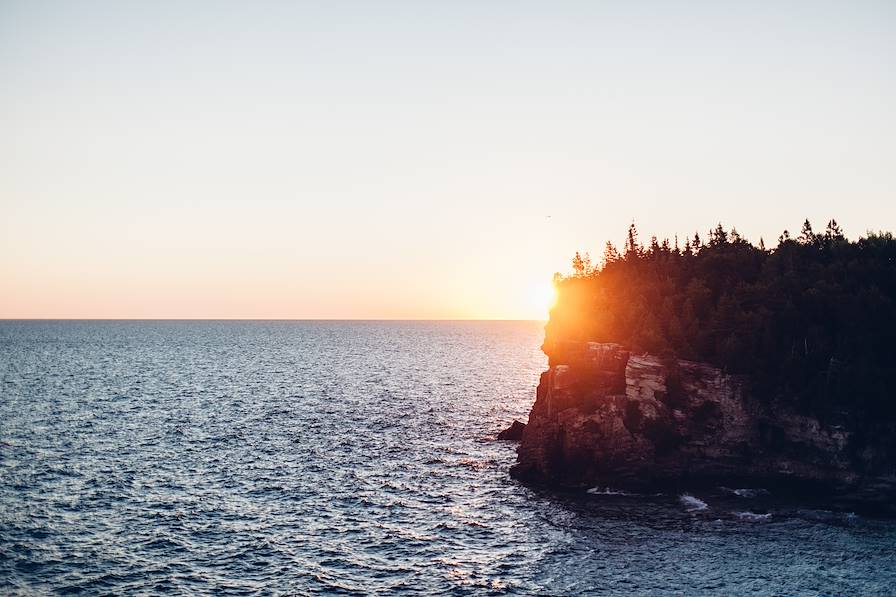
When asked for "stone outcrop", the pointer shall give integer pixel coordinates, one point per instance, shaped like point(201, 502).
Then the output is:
point(603, 416)
point(514, 432)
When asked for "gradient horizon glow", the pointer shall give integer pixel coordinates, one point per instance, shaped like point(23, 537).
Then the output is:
point(415, 159)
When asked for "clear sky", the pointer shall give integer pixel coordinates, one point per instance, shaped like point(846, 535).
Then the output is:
point(401, 159)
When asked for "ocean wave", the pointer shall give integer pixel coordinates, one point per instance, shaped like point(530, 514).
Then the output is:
point(608, 491)
point(747, 492)
point(753, 516)
point(691, 503)
point(827, 516)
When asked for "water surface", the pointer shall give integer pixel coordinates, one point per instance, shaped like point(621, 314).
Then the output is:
point(352, 457)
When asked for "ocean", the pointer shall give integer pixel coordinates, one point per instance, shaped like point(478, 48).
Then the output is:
point(326, 457)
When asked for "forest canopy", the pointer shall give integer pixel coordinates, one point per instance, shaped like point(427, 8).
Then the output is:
point(812, 320)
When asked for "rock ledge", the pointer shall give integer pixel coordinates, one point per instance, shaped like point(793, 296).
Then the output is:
point(603, 416)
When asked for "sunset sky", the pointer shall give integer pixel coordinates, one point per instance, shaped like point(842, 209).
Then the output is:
point(415, 159)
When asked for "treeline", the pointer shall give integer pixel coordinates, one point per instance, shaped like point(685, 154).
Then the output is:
point(812, 320)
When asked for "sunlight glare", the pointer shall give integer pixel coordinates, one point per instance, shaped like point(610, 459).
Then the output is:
point(543, 298)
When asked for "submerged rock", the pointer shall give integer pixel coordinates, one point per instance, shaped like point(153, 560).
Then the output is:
point(605, 417)
point(514, 432)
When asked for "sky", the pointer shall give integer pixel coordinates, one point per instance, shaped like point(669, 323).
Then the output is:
point(416, 160)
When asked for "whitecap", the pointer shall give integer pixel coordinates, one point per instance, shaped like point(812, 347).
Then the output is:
point(691, 503)
point(746, 492)
point(828, 516)
point(607, 491)
point(750, 493)
point(753, 516)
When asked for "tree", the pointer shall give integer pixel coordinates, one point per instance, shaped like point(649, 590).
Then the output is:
point(718, 236)
point(578, 265)
point(587, 268)
point(833, 232)
point(632, 248)
point(611, 255)
point(785, 236)
point(807, 236)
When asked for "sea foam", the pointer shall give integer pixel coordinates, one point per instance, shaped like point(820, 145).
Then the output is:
point(607, 491)
point(691, 503)
point(753, 516)
point(746, 492)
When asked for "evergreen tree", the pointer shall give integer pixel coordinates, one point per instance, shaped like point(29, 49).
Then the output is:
point(806, 237)
point(718, 236)
point(611, 255)
point(632, 248)
point(578, 265)
point(832, 232)
point(587, 267)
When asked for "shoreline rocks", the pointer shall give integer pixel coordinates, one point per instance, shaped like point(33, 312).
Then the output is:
point(603, 416)
point(514, 432)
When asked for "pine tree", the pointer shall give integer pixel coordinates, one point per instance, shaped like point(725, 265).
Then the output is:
point(833, 231)
point(611, 255)
point(632, 248)
point(718, 236)
point(578, 265)
point(806, 237)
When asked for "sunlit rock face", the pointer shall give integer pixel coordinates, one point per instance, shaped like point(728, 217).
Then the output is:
point(603, 416)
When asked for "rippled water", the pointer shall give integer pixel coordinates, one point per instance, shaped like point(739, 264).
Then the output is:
point(304, 457)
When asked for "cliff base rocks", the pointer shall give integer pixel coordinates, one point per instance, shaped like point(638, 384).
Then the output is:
point(605, 417)
point(514, 432)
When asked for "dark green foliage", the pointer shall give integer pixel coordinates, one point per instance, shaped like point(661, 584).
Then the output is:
point(812, 321)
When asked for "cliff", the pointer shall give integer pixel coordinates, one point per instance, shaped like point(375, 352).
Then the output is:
point(603, 416)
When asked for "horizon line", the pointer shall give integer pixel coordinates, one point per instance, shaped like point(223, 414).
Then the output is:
point(5, 319)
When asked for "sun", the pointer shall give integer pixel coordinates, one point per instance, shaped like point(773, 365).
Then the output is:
point(542, 298)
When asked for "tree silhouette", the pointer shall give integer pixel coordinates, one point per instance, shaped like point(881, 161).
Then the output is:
point(807, 236)
point(578, 265)
point(832, 232)
point(632, 248)
point(811, 321)
point(611, 255)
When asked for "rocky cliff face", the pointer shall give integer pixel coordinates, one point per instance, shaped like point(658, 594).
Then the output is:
point(603, 416)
